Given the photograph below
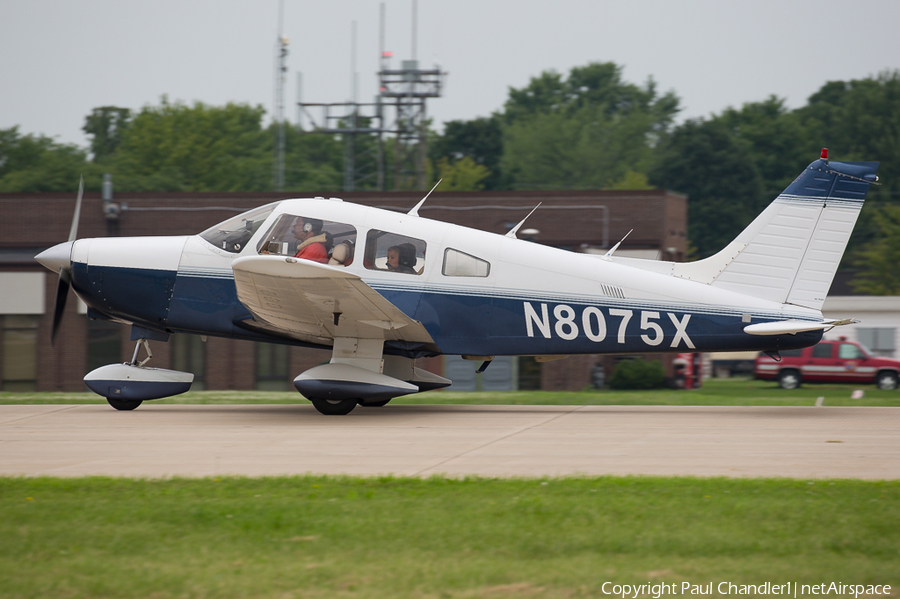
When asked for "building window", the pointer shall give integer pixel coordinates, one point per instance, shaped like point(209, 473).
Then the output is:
point(19, 353)
point(189, 355)
point(881, 341)
point(273, 367)
point(104, 345)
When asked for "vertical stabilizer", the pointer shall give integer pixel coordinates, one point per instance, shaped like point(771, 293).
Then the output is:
point(790, 252)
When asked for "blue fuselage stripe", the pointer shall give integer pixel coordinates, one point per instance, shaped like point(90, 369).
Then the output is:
point(462, 321)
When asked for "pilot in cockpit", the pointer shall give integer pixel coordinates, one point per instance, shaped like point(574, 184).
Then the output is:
point(313, 239)
point(313, 243)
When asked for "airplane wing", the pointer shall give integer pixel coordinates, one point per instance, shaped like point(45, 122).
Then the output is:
point(315, 302)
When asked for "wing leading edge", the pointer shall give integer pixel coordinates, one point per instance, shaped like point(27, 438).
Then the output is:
point(315, 303)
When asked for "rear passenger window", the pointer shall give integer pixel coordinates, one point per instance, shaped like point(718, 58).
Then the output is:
point(394, 252)
point(791, 353)
point(823, 350)
point(461, 264)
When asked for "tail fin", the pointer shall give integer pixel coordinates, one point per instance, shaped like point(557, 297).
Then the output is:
point(790, 252)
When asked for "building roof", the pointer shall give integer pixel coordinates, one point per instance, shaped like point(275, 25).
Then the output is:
point(571, 219)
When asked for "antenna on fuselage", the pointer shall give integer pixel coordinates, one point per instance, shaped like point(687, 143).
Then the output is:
point(609, 254)
point(415, 210)
point(512, 232)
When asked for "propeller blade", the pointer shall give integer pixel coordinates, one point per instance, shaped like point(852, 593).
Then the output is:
point(65, 267)
point(73, 232)
point(62, 294)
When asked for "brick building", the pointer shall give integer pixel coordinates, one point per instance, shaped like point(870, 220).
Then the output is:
point(582, 221)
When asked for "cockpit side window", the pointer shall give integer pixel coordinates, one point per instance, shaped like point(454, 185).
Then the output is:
point(394, 252)
point(461, 264)
point(233, 234)
point(323, 241)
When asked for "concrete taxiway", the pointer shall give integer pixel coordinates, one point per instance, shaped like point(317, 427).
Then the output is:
point(204, 440)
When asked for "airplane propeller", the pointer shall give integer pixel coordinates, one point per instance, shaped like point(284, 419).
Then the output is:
point(58, 258)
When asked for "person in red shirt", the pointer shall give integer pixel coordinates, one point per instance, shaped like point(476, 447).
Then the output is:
point(312, 246)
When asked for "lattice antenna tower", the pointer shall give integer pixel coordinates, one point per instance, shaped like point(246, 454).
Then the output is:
point(281, 52)
point(407, 89)
point(404, 90)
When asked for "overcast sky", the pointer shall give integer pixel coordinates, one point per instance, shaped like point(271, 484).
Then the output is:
point(61, 58)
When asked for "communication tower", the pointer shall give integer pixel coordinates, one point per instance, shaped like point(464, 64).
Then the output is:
point(281, 53)
point(399, 110)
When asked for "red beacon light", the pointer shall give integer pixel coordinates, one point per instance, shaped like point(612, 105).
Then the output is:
point(824, 155)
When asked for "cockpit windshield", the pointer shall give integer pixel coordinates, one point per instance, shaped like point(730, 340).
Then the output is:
point(233, 234)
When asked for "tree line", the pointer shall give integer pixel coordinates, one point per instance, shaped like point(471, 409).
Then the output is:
point(587, 129)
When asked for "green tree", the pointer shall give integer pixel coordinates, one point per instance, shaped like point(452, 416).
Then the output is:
point(30, 163)
point(638, 373)
point(480, 140)
point(877, 261)
point(174, 147)
point(593, 85)
point(860, 120)
point(312, 162)
point(462, 175)
point(776, 140)
point(724, 188)
point(631, 180)
point(584, 150)
point(582, 131)
point(106, 125)
point(544, 93)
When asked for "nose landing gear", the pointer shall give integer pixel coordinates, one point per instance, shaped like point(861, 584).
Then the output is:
point(126, 386)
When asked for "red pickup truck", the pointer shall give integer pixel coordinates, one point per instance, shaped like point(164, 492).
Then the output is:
point(828, 362)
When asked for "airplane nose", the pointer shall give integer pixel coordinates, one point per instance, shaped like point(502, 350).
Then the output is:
point(57, 257)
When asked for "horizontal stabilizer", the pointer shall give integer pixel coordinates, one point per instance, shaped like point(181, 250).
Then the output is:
point(792, 327)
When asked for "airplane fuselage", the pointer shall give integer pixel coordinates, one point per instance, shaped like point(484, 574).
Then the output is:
point(511, 297)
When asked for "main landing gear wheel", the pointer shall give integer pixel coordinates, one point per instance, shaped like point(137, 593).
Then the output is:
point(123, 404)
point(334, 407)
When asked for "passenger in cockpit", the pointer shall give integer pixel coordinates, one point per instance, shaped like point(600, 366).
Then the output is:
point(401, 258)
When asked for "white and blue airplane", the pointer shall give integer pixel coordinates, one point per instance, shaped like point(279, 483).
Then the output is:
point(383, 289)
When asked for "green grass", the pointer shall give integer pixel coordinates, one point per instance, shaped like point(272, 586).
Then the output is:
point(717, 392)
point(437, 537)
point(402, 537)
